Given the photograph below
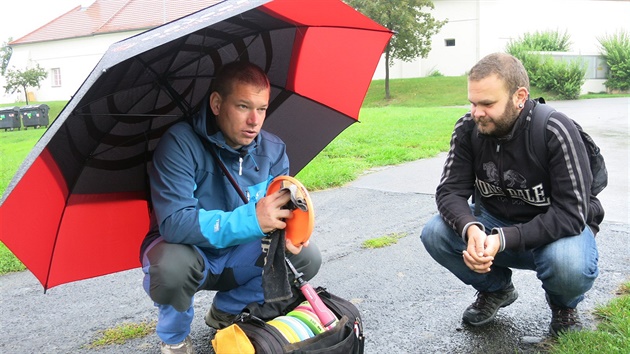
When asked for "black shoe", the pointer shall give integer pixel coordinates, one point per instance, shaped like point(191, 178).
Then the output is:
point(563, 319)
point(485, 308)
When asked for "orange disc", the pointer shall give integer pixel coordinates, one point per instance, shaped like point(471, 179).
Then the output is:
point(300, 226)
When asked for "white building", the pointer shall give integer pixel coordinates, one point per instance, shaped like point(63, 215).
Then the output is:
point(71, 45)
point(480, 27)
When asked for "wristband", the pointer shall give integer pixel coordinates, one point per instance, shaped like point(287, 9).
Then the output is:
point(499, 231)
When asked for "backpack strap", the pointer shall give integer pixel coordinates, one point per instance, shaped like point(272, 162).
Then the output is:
point(537, 130)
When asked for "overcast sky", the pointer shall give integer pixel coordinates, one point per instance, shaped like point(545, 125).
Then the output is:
point(20, 17)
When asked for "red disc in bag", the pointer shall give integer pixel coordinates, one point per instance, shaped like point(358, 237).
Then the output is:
point(300, 226)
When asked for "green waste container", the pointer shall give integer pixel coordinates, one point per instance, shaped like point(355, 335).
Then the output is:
point(10, 118)
point(34, 115)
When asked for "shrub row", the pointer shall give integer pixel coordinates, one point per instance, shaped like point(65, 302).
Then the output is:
point(566, 77)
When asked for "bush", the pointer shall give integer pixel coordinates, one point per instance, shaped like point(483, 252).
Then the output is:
point(616, 51)
point(563, 78)
point(547, 41)
point(571, 78)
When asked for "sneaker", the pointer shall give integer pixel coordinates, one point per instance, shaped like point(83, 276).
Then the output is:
point(563, 319)
point(485, 308)
point(218, 319)
point(184, 347)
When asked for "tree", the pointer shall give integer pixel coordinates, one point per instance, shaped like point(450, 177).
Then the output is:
point(18, 80)
point(413, 28)
point(5, 56)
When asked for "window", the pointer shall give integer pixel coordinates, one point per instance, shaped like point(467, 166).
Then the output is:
point(449, 42)
point(55, 76)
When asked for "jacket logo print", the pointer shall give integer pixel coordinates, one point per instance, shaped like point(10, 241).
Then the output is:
point(491, 186)
point(534, 196)
point(512, 178)
point(492, 172)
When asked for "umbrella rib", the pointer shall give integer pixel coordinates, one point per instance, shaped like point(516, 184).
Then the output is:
point(169, 89)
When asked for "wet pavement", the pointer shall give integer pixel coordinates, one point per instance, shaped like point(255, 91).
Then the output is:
point(409, 303)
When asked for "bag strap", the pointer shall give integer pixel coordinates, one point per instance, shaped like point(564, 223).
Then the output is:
point(224, 169)
point(537, 129)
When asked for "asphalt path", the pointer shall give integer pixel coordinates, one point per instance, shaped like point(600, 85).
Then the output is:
point(409, 303)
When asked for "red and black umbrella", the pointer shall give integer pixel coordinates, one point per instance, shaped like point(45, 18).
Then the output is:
point(77, 208)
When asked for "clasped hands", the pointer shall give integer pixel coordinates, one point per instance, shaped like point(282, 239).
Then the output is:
point(271, 216)
point(481, 249)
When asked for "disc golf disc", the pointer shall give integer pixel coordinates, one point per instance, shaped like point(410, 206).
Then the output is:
point(309, 319)
point(297, 326)
point(300, 226)
point(286, 330)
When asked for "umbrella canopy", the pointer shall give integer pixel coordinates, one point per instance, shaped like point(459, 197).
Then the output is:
point(77, 208)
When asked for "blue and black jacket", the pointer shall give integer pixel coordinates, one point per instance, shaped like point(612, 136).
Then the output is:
point(193, 202)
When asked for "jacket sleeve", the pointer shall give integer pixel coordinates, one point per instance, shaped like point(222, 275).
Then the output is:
point(458, 178)
point(570, 182)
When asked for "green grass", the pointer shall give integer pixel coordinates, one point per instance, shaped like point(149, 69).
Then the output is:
point(415, 123)
point(387, 135)
point(123, 333)
point(420, 92)
point(613, 331)
point(15, 145)
point(383, 241)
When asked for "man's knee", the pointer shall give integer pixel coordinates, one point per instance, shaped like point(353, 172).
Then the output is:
point(308, 261)
point(564, 271)
point(434, 230)
point(175, 273)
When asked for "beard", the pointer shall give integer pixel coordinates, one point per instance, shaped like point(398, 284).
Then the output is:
point(503, 125)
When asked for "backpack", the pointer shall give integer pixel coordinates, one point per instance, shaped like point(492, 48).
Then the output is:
point(538, 130)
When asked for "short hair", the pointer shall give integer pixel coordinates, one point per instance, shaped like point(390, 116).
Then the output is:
point(239, 71)
point(505, 66)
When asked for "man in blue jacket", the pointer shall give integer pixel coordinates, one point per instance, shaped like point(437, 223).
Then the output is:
point(525, 216)
point(203, 236)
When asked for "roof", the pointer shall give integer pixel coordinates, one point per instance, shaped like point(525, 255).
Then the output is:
point(111, 16)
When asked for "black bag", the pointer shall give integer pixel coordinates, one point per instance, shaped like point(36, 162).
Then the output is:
point(345, 338)
point(540, 116)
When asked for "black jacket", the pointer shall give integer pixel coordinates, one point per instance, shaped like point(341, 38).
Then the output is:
point(543, 205)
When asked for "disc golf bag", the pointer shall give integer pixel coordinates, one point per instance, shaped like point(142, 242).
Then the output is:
point(346, 337)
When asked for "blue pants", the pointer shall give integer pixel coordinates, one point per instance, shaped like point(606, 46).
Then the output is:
point(566, 267)
point(175, 272)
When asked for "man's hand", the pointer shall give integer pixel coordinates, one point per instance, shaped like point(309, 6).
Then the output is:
point(269, 211)
point(289, 246)
point(481, 250)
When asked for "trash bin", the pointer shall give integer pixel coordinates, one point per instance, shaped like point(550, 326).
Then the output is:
point(10, 118)
point(34, 115)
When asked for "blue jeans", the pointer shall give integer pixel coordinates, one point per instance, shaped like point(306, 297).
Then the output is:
point(566, 267)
